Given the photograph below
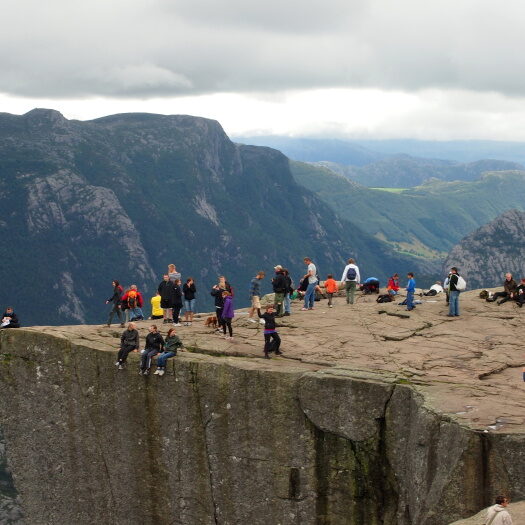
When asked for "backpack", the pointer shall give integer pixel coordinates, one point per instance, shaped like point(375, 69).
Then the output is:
point(385, 298)
point(484, 294)
point(351, 274)
point(461, 284)
point(132, 299)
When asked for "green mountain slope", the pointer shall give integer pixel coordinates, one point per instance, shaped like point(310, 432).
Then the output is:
point(427, 220)
point(405, 171)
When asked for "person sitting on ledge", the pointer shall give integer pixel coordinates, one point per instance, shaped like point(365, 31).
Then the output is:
point(9, 319)
point(510, 289)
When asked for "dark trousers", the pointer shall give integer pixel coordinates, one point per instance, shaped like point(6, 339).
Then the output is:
point(504, 297)
point(330, 297)
point(115, 310)
point(123, 353)
point(227, 322)
point(430, 293)
point(145, 358)
point(272, 343)
point(218, 311)
point(176, 312)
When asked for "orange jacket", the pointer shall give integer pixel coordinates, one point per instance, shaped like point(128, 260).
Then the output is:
point(331, 285)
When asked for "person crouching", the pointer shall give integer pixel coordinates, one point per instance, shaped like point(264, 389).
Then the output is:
point(154, 345)
point(272, 341)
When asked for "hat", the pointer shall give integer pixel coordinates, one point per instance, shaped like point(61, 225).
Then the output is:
point(278, 267)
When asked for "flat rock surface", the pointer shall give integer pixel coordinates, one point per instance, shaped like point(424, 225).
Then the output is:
point(469, 367)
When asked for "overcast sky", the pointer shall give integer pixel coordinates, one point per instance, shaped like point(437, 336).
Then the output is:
point(356, 68)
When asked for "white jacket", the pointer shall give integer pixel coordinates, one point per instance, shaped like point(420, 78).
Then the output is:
point(499, 516)
point(345, 271)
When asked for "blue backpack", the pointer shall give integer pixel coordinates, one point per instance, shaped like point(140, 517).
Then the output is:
point(351, 274)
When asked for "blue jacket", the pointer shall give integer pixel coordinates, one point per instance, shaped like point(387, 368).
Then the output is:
point(411, 285)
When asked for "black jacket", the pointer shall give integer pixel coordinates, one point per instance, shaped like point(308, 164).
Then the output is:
point(154, 341)
point(167, 293)
point(217, 294)
point(279, 283)
point(14, 320)
point(269, 319)
point(189, 291)
point(453, 281)
point(130, 338)
point(178, 296)
point(116, 297)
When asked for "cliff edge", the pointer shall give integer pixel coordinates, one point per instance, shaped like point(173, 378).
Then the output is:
point(373, 416)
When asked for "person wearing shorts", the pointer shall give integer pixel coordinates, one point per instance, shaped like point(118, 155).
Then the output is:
point(189, 292)
point(255, 295)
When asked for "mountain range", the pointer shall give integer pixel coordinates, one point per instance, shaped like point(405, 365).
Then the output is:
point(122, 196)
point(424, 221)
point(488, 253)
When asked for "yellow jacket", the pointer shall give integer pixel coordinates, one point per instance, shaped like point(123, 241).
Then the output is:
point(155, 306)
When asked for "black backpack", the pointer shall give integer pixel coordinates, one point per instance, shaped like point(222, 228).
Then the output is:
point(351, 274)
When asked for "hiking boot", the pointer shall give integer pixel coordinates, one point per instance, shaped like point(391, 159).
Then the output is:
point(266, 356)
point(117, 363)
point(146, 372)
point(120, 367)
point(141, 372)
point(278, 352)
point(287, 313)
point(330, 306)
point(156, 372)
point(161, 372)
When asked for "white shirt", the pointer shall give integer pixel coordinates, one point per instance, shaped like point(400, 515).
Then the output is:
point(499, 515)
point(312, 270)
point(357, 276)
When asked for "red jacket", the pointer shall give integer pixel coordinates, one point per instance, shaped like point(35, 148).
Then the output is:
point(393, 285)
point(140, 301)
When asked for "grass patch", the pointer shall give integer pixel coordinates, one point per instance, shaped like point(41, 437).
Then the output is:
point(391, 190)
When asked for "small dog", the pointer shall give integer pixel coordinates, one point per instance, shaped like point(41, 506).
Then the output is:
point(211, 321)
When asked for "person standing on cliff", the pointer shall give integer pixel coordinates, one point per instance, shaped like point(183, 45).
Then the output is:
point(129, 342)
point(166, 290)
point(411, 288)
point(116, 304)
point(279, 286)
point(255, 295)
point(498, 513)
point(351, 277)
point(311, 276)
point(272, 341)
point(453, 293)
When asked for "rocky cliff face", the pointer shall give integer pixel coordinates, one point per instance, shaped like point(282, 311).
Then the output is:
point(485, 255)
point(121, 197)
point(352, 430)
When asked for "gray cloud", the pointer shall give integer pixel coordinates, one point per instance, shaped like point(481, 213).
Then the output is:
point(68, 48)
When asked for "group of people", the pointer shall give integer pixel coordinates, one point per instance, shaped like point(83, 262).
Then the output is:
point(511, 292)
point(171, 296)
point(155, 345)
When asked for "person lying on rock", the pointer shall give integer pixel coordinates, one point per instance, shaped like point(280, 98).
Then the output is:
point(272, 341)
point(154, 345)
point(510, 289)
point(9, 319)
point(434, 290)
point(129, 342)
point(171, 345)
